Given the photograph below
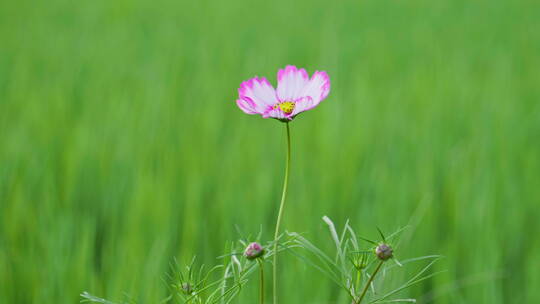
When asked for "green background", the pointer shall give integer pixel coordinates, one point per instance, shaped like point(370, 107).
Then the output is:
point(121, 146)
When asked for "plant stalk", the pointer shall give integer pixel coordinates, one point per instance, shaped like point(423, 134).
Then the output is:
point(358, 279)
point(280, 214)
point(369, 282)
point(261, 289)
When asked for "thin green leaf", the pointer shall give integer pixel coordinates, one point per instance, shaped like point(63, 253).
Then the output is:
point(382, 235)
point(90, 298)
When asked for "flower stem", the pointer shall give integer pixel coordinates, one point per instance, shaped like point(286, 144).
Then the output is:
point(261, 266)
point(280, 213)
point(358, 279)
point(369, 282)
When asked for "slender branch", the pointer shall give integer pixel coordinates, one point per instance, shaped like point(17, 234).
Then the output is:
point(358, 279)
point(369, 282)
point(280, 213)
point(261, 266)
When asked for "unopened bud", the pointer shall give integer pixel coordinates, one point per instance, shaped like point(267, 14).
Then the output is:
point(384, 252)
point(360, 261)
point(186, 288)
point(253, 251)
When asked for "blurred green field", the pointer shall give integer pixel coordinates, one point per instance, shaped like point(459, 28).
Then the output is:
point(121, 146)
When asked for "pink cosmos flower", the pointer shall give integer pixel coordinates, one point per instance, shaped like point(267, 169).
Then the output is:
point(295, 93)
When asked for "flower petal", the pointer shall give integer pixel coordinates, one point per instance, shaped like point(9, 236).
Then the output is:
point(302, 105)
point(256, 96)
point(247, 106)
point(291, 83)
point(277, 113)
point(317, 88)
point(314, 92)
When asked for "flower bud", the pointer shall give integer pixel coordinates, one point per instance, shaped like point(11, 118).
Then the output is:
point(360, 261)
point(384, 252)
point(186, 288)
point(254, 250)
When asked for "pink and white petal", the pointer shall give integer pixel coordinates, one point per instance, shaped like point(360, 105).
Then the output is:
point(291, 83)
point(317, 88)
point(277, 113)
point(247, 106)
point(259, 93)
point(304, 104)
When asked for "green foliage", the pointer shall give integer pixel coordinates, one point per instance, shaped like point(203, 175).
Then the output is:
point(201, 286)
point(350, 269)
point(121, 146)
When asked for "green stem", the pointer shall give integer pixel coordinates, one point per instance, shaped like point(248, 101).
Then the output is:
point(358, 278)
point(261, 266)
point(369, 282)
point(280, 213)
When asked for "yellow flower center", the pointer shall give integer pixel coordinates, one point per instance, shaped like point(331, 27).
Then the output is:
point(287, 107)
